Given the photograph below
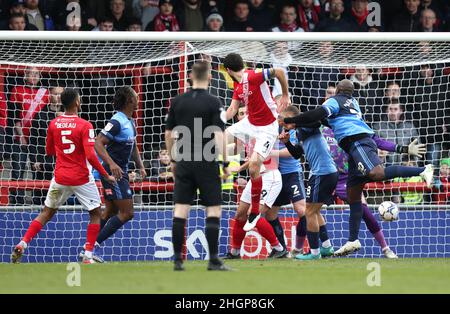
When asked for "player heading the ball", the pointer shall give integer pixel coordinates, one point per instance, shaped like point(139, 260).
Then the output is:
point(251, 89)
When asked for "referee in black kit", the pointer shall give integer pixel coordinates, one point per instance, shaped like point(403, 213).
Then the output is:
point(197, 119)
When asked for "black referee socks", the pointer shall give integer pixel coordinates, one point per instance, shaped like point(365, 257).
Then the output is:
point(212, 236)
point(178, 236)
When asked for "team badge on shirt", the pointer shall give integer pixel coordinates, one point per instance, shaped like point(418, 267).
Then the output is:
point(108, 127)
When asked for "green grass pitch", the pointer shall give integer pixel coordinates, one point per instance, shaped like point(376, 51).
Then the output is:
point(337, 275)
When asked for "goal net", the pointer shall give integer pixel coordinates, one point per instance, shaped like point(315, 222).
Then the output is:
point(402, 86)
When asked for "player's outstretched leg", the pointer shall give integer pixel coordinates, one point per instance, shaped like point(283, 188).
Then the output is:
point(392, 172)
point(312, 214)
point(300, 237)
point(326, 249)
point(274, 221)
point(237, 232)
point(374, 228)
point(104, 217)
point(35, 227)
point(256, 188)
point(91, 235)
point(356, 212)
point(266, 230)
point(125, 213)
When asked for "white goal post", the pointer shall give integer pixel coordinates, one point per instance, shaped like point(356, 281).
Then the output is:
point(405, 71)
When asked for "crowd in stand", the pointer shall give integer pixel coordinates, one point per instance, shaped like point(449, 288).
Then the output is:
point(226, 15)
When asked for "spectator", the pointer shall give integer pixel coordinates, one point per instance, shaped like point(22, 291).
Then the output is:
point(214, 22)
point(358, 15)
point(161, 167)
point(396, 129)
point(36, 18)
point(190, 16)
point(213, 6)
point(428, 21)
point(106, 25)
point(17, 8)
point(260, 15)
point(40, 162)
point(409, 197)
point(330, 92)
point(309, 14)
point(281, 58)
point(135, 25)
point(18, 22)
point(288, 20)
point(146, 10)
point(408, 20)
point(335, 21)
point(429, 95)
point(165, 21)
point(218, 85)
point(382, 154)
point(27, 101)
point(365, 90)
point(438, 8)
point(442, 196)
point(117, 14)
point(242, 112)
point(393, 94)
point(240, 21)
point(317, 79)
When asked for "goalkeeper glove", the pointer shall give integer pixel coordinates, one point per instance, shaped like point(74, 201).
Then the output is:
point(414, 149)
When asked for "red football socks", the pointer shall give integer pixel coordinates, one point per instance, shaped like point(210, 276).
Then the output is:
point(256, 194)
point(238, 234)
point(92, 233)
point(32, 231)
point(266, 230)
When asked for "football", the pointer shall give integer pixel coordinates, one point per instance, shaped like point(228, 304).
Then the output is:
point(388, 211)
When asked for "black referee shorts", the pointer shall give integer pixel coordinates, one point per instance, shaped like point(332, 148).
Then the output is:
point(201, 175)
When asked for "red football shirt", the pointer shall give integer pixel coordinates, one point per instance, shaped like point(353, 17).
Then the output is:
point(29, 101)
point(70, 138)
point(254, 92)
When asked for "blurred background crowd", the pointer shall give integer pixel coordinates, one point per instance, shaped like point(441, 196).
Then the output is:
point(227, 15)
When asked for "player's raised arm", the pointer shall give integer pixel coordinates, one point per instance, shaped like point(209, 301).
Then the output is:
point(308, 117)
point(232, 109)
point(281, 77)
point(295, 151)
point(413, 148)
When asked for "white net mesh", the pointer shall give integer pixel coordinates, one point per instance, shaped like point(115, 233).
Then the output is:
point(389, 76)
